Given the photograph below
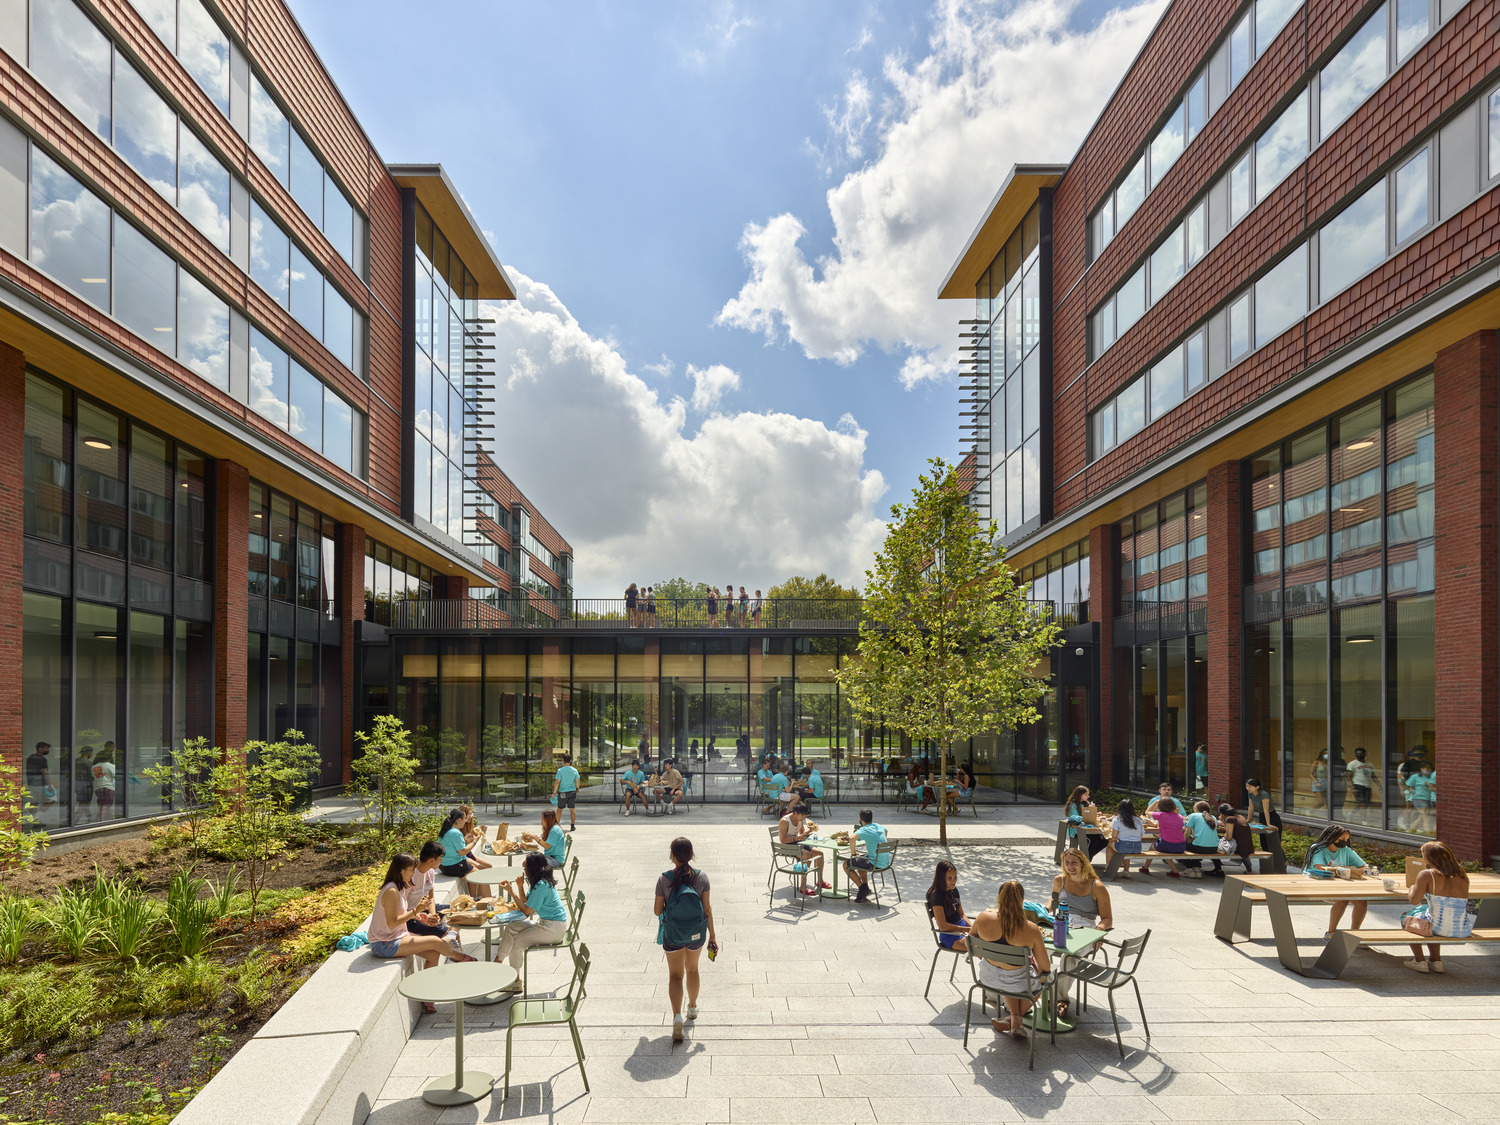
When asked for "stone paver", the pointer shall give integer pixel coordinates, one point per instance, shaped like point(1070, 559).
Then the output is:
point(818, 1015)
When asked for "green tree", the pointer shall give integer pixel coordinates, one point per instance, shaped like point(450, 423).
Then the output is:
point(19, 838)
point(186, 777)
point(948, 643)
point(385, 778)
point(254, 790)
point(821, 588)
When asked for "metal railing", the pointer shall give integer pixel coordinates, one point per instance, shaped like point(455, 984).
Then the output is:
point(452, 614)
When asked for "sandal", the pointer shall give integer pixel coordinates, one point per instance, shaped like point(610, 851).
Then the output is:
point(1062, 1009)
point(429, 1008)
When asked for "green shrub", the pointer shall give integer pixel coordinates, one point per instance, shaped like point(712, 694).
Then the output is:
point(190, 917)
point(324, 916)
point(73, 922)
point(199, 980)
point(132, 928)
point(39, 1007)
point(256, 980)
point(17, 919)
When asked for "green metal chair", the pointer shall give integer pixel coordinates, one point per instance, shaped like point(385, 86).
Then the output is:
point(569, 873)
point(786, 859)
point(886, 849)
point(770, 798)
point(551, 1012)
point(1038, 989)
point(1109, 977)
point(937, 940)
point(570, 936)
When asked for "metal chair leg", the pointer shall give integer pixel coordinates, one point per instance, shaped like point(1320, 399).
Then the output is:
point(1144, 1025)
point(930, 971)
point(969, 1014)
point(508, 1033)
point(953, 970)
point(578, 1046)
point(1120, 1043)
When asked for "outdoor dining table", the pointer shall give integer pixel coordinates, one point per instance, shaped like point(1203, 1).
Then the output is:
point(828, 844)
point(1081, 942)
point(457, 984)
point(1232, 924)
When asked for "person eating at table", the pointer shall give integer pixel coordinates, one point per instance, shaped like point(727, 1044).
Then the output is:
point(1087, 898)
point(1441, 877)
point(783, 785)
point(1170, 835)
point(916, 786)
point(669, 785)
point(1006, 923)
point(1203, 839)
point(389, 932)
point(1124, 835)
point(794, 829)
point(858, 867)
point(546, 921)
point(458, 854)
point(554, 843)
point(634, 781)
point(1080, 812)
point(947, 908)
point(1331, 849)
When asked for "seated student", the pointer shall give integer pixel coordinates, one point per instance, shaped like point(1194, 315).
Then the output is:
point(815, 783)
point(965, 779)
point(1442, 878)
point(783, 786)
point(474, 832)
point(1237, 828)
point(858, 867)
point(793, 829)
point(1124, 836)
point(1080, 812)
point(1164, 793)
point(1331, 849)
point(1080, 887)
point(1171, 836)
point(420, 893)
point(458, 854)
point(669, 785)
point(916, 786)
point(554, 843)
point(1006, 923)
point(546, 920)
point(1202, 839)
point(634, 782)
point(947, 909)
point(388, 931)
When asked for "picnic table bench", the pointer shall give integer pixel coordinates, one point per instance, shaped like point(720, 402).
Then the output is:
point(1279, 892)
point(1112, 868)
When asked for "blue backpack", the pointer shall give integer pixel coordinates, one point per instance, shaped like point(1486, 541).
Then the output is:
point(683, 917)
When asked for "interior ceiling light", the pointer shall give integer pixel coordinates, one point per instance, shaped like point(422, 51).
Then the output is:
point(97, 443)
point(1365, 444)
point(1361, 639)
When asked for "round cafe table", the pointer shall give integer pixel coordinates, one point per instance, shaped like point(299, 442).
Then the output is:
point(455, 984)
point(490, 877)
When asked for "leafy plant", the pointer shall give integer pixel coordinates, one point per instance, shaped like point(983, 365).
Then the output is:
point(20, 839)
point(222, 894)
point(385, 777)
point(190, 916)
point(326, 915)
point(199, 980)
point(17, 920)
point(73, 921)
point(256, 980)
point(133, 925)
point(39, 1007)
point(187, 775)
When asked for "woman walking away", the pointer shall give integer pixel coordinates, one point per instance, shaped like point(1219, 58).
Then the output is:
point(388, 934)
point(1332, 849)
point(1006, 922)
point(1124, 836)
point(1080, 812)
point(1444, 880)
point(546, 916)
point(947, 908)
point(1087, 899)
point(687, 921)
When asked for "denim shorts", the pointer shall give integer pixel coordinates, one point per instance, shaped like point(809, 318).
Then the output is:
point(1128, 847)
point(386, 948)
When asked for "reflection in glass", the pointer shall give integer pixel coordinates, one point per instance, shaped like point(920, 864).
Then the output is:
point(1354, 759)
point(49, 458)
point(307, 178)
point(1411, 794)
point(270, 132)
point(338, 431)
point(145, 130)
point(150, 500)
point(1167, 146)
point(1411, 196)
point(1281, 147)
point(203, 189)
point(306, 292)
point(71, 57)
point(1353, 74)
point(101, 480)
point(99, 689)
point(270, 255)
point(1167, 264)
point(1353, 244)
point(69, 230)
point(149, 737)
point(338, 221)
point(1412, 25)
point(204, 51)
point(338, 325)
point(45, 707)
point(161, 15)
point(1281, 297)
point(305, 418)
point(1409, 482)
point(1131, 192)
point(203, 330)
point(1307, 701)
point(145, 288)
point(268, 379)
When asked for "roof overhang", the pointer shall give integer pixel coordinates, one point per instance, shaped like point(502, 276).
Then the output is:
point(435, 191)
point(1015, 197)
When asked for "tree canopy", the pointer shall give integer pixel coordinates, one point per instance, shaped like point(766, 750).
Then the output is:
point(821, 588)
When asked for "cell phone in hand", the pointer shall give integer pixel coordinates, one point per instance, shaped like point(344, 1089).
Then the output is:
point(713, 950)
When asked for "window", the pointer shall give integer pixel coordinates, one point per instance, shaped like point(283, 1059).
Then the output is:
point(204, 50)
point(1239, 328)
point(1196, 228)
point(270, 255)
point(1281, 297)
point(203, 188)
point(338, 431)
point(145, 130)
point(1352, 244)
point(1281, 147)
point(1270, 17)
point(1131, 193)
point(291, 397)
point(1240, 56)
point(1195, 106)
point(306, 179)
point(1166, 384)
point(306, 292)
point(1130, 301)
point(145, 287)
point(202, 330)
point(69, 230)
point(1130, 410)
point(1413, 25)
point(1167, 265)
point(1353, 74)
point(71, 56)
point(270, 133)
point(1493, 129)
point(1239, 190)
point(1167, 146)
point(305, 417)
point(1411, 197)
point(268, 379)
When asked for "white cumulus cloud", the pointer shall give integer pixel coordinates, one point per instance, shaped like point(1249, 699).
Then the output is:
point(751, 496)
point(1002, 83)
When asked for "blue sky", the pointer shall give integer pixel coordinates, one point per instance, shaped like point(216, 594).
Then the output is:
point(620, 154)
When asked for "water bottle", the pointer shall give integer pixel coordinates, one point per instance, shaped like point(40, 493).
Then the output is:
point(1060, 926)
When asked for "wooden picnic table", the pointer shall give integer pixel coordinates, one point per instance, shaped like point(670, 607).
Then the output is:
point(1232, 924)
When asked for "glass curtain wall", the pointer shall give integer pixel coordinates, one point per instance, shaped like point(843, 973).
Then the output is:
point(117, 651)
point(1339, 679)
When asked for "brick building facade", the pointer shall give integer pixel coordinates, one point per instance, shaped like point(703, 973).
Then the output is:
point(1243, 347)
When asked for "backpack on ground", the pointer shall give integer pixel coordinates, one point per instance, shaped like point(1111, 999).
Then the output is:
point(683, 919)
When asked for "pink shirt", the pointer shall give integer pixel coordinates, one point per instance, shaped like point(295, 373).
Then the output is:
point(420, 885)
point(1169, 827)
point(380, 930)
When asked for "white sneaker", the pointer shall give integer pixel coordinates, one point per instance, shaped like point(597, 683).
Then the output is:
point(1435, 966)
point(671, 810)
point(1194, 873)
point(627, 810)
point(676, 1029)
point(692, 1011)
point(1413, 963)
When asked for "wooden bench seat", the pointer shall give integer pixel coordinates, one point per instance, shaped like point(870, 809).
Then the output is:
point(1112, 869)
point(1406, 937)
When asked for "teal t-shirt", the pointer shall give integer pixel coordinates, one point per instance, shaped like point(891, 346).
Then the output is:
point(544, 899)
point(633, 777)
point(779, 781)
point(1420, 788)
point(815, 783)
point(556, 843)
point(872, 836)
point(453, 847)
point(567, 779)
point(1205, 835)
point(1338, 857)
point(1201, 758)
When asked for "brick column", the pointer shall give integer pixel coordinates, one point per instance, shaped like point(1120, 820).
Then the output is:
point(456, 586)
point(1104, 542)
point(1225, 585)
point(351, 608)
point(231, 601)
point(1467, 609)
point(12, 506)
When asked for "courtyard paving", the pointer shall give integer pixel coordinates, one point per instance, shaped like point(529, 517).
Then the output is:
point(818, 1015)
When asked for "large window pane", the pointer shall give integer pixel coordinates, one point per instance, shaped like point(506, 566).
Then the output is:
point(1130, 410)
point(338, 431)
point(270, 132)
point(1281, 297)
point(270, 255)
point(338, 325)
point(1263, 705)
point(1166, 383)
point(194, 522)
point(150, 737)
point(1355, 515)
point(49, 459)
point(71, 57)
point(338, 221)
point(1412, 24)
point(422, 479)
point(101, 480)
point(1410, 796)
point(1353, 74)
point(306, 292)
point(1281, 147)
point(1031, 387)
point(204, 51)
point(1131, 193)
point(1307, 704)
point(145, 130)
point(1305, 523)
point(1354, 758)
point(305, 418)
point(457, 423)
point(203, 330)
point(69, 230)
point(1409, 489)
point(1167, 265)
point(1239, 190)
point(1270, 18)
point(307, 179)
point(1031, 503)
point(1167, 146)
point(161, 15)
point(1240, 56)
point(150, 500)
point(145, 288)
point(99, 690)
point(1353, 244)
point(268, 379)
point(1013, 414)
point(1130, 301)
point(1031, 318)
point(1013, 491)
point(203, 189)
point(1411, 197)
point(46, 682)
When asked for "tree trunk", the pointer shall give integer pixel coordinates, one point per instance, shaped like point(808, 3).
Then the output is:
point(942, 795)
